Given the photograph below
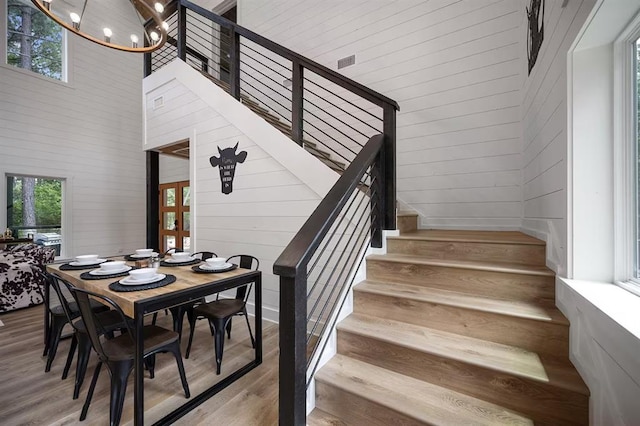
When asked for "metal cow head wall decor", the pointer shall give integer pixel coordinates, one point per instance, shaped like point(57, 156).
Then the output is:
point(227, 164)
point(535, 16)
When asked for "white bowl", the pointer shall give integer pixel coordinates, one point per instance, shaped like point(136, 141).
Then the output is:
point(112, 266)
point(144, 252)
point(87, 258)
point(216, 262)
point(142, 274)
point(181, 256)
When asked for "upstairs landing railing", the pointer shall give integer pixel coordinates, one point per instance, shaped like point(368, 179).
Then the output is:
point(324, 109)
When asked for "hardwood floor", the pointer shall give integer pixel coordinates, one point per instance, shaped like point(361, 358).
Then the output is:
point(29, 396)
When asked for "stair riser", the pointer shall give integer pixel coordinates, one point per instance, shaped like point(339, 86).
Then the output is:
point(407, 223)
point(504, 285)
point(447, 250)
point(538, 336)
point(356, 410)
point(511, 392)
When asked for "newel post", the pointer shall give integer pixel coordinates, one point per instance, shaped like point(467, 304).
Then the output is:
point(297, 93)
point(293, 353)
point(234, 64)
point(389, 201)
point(182, 32)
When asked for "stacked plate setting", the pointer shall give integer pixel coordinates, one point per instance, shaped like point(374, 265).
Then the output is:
point(110, 268)
point(215, 264)
point(142, 276)
point(87, 260)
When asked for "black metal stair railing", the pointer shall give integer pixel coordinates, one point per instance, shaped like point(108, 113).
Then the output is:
point(345, 124)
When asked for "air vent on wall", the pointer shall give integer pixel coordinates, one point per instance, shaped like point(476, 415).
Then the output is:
point(345, 62)
point(158, 102)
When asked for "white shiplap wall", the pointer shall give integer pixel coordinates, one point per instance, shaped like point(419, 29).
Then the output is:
point(454, 67)
point(274, 191)
point(544, 127)
point(87, 131)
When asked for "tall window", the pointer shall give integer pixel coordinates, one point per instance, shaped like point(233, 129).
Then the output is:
point(636, 151)
point(34, 209)
point(34, 42)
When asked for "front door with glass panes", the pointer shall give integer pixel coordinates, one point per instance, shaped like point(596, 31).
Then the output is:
point(175, 199)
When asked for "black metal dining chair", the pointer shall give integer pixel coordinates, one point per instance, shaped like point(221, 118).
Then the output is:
point(109, 319)
point(58, 319)
point(178, 312)
point(118, 353)
point(220, 312)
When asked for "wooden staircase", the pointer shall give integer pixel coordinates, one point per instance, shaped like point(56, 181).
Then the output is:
point(452, 328)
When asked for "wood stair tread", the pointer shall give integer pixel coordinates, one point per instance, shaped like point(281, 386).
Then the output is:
point(493, 237)
point(319, 417)
point(425, 402)
point(536, 311)
point(498, 357)
point(464, 264)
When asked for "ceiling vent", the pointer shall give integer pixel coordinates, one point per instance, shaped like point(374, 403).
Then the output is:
point(346, 62)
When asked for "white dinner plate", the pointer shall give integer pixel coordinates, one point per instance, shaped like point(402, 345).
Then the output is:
point(93, 262)
point(143, 256)
point(129, 281)
point(172, 260)
point(125, 268)
point(206, 267)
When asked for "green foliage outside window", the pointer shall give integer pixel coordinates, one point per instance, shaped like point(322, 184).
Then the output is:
point(48, 202)
point(34, 42)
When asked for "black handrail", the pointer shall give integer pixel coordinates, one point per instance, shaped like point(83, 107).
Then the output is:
point(297, 254)
point(292, 264)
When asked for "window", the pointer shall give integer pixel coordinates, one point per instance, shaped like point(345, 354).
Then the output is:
point(34, 42)
point(626, 167)
point(34, 209)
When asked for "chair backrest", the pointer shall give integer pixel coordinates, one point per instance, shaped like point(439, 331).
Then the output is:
point(51, 283)
point(204, 255)
point(245, 261)
point(92, 321)
point(54, 283)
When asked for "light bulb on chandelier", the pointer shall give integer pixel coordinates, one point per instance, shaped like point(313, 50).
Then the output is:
point(143, 17)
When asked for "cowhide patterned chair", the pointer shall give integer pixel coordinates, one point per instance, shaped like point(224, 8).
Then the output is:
point(19, 285)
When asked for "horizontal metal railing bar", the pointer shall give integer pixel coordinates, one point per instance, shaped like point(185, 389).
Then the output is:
point(338, 279)
point(313, 368)
point(331, 137)
point(306, 89)
point(342, 81)
point(298, 252)
point(269, 58)
point(335, 247)
point(319, 254)
point(267, 77)
point(333, 127)
point(261, 92)
point(340, 97)
point(270, 78)
point(327, 148)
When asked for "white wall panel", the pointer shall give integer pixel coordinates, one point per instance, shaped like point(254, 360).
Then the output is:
point(87, 131)
point(454, 67)
point(544, 134)
point(269, 201)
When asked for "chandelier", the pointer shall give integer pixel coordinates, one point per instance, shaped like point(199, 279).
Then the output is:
point(122, 24)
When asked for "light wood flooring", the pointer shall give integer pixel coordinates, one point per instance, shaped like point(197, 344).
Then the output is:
point(29, 396)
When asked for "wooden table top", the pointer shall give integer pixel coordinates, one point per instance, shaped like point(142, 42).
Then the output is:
point(185, 279)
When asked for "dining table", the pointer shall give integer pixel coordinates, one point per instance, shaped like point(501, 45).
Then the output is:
point(190, 285)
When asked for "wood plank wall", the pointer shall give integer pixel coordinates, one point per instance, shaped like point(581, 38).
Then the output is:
point(544, 124)
point(455, 68)
point(87, 131)
point(268, 203)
